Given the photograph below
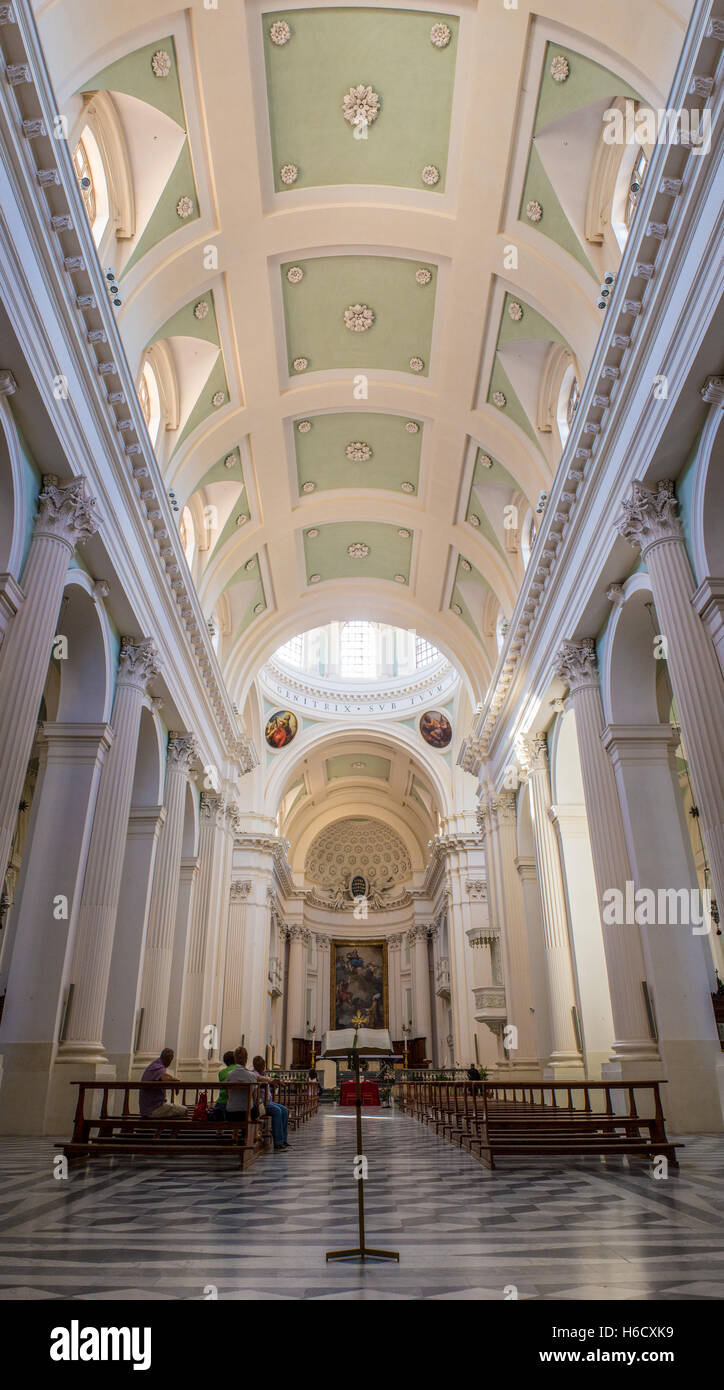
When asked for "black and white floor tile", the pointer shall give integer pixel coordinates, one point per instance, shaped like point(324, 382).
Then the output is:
point(190, 1229)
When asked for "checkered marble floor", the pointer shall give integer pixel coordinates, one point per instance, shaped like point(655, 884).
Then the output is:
point(191, 1229)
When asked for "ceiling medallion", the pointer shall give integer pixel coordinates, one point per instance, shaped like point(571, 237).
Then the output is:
point(280, 33)
point(308, 487)
point(358, 318)
point(440, 36)
point(412, 427)
point(314, 578)
point(230, 460)
point(559, 68)
point(295, 274)
point(289, 173)
point(423, 276)
point(185, 207)
point(258, 608)
point(416, 364)
point(250, 564)
point(485, 461)
point(359, 452)
point(515, 310)
point(533, 211)
point(218, 398)
point(304, 426)
point(474, 520)
point(403, 533)
point(313, 533)
point(430, 175)
point(457, 609)
point(241, 520)
point(358, 550)
point(499, 399)
point(465, 565)
point(407, 487)
point(361, 106)
point(400, 579)
point(201, 310)
point(300, 364)
point(161, 63)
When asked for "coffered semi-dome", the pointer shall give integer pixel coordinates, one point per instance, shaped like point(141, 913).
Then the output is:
point(357, 845)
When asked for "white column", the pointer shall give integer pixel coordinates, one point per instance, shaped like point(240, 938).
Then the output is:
point(508, 914)
point(45, 914)
point(296, 977)
point(210, 903)
point(634, 1051)
point(102, 884)
point(565, 1056)
point(528, 875)
point(678, 961)
point(422, 1016)
point(323, 976)
point(235, 1017)
point(66, 518)
point(164, 900)
point(650, 521)
point(187, 879)
point(120, 1025)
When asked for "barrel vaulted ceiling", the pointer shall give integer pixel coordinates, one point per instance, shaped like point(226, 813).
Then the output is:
point(357, 330)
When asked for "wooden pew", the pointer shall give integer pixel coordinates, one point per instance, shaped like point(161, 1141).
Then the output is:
point(107, 1133)
point(533, 1119)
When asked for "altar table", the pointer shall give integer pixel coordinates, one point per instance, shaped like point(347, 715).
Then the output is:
point(369, 1090)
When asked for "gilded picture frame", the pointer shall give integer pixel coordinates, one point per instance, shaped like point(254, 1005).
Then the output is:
point(355, 986)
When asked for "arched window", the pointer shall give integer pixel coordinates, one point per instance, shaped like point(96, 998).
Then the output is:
point(627, 191)
point(527, 536)
point(150, 398)
point(425, 653)
point(188, 536)
point(91, 176)
point(568, 399)
point(358, 650)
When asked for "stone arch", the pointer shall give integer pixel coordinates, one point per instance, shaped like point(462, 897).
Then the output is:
point(628, 677)
point(86, 675)
point(148, 778)
point(15, 501)
point(708, 501)
point(190, 838)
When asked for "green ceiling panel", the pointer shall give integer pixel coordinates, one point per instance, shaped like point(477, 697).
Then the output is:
point(532, 325)
point(321, 456)
point(216, 381)
point(472, 576)
point(314, 313)
point(219, 473)
point(230, 528)
point(185, 324)
point(331, 50)
point(326, 553)
point(513, 409)
point(343, 765)
point(134, 75)
point(164, 219)
point(554, 223)
point(255, 594)
point(586, 82)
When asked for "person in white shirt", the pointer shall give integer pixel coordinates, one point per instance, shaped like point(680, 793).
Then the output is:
point(237, 1101)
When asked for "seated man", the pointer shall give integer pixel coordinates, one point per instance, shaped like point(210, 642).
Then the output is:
point(219, 1110)
point(236, 1101)
point(152, 1103)
point(279, 1113)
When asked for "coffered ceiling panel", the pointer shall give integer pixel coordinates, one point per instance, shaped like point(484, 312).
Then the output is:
point(314, 57)
point(355, 450)
point(358, 550)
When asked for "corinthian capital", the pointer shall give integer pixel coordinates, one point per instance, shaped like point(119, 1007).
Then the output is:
point(532, 752)
point(240, 890)
point(577, 664)
point(477, 889)
point(503, 808)
point(650, 516)
point(299, 934)
point(66, 511)
point(212, 806)
point(245, 753)
point(182, 750)
point(138, 662)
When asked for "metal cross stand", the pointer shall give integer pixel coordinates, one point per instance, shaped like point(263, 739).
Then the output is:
point(362, 1251)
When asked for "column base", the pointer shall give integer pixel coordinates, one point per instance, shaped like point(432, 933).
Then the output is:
point(63, 1097)
point(26, 1069)
point(693, 1100)
point(564, 1066)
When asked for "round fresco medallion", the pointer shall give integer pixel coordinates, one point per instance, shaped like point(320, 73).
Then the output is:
point(435, 728)
point(281, 728)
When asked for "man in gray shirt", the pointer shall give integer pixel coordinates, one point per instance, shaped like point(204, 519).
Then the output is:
point(237, 1100)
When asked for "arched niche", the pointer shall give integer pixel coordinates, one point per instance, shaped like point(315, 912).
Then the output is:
point(86, 673)
point(708, 501)
point(630, 668)
point(526, 841)
point(13, 499)
point(150, 761)
point(190, 838)
point(566, 776)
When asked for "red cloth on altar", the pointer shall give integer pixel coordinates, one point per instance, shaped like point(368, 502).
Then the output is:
point(369, 1090)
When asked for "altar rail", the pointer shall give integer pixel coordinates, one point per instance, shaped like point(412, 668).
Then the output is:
point(108, 1128)
point(533, 1119)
